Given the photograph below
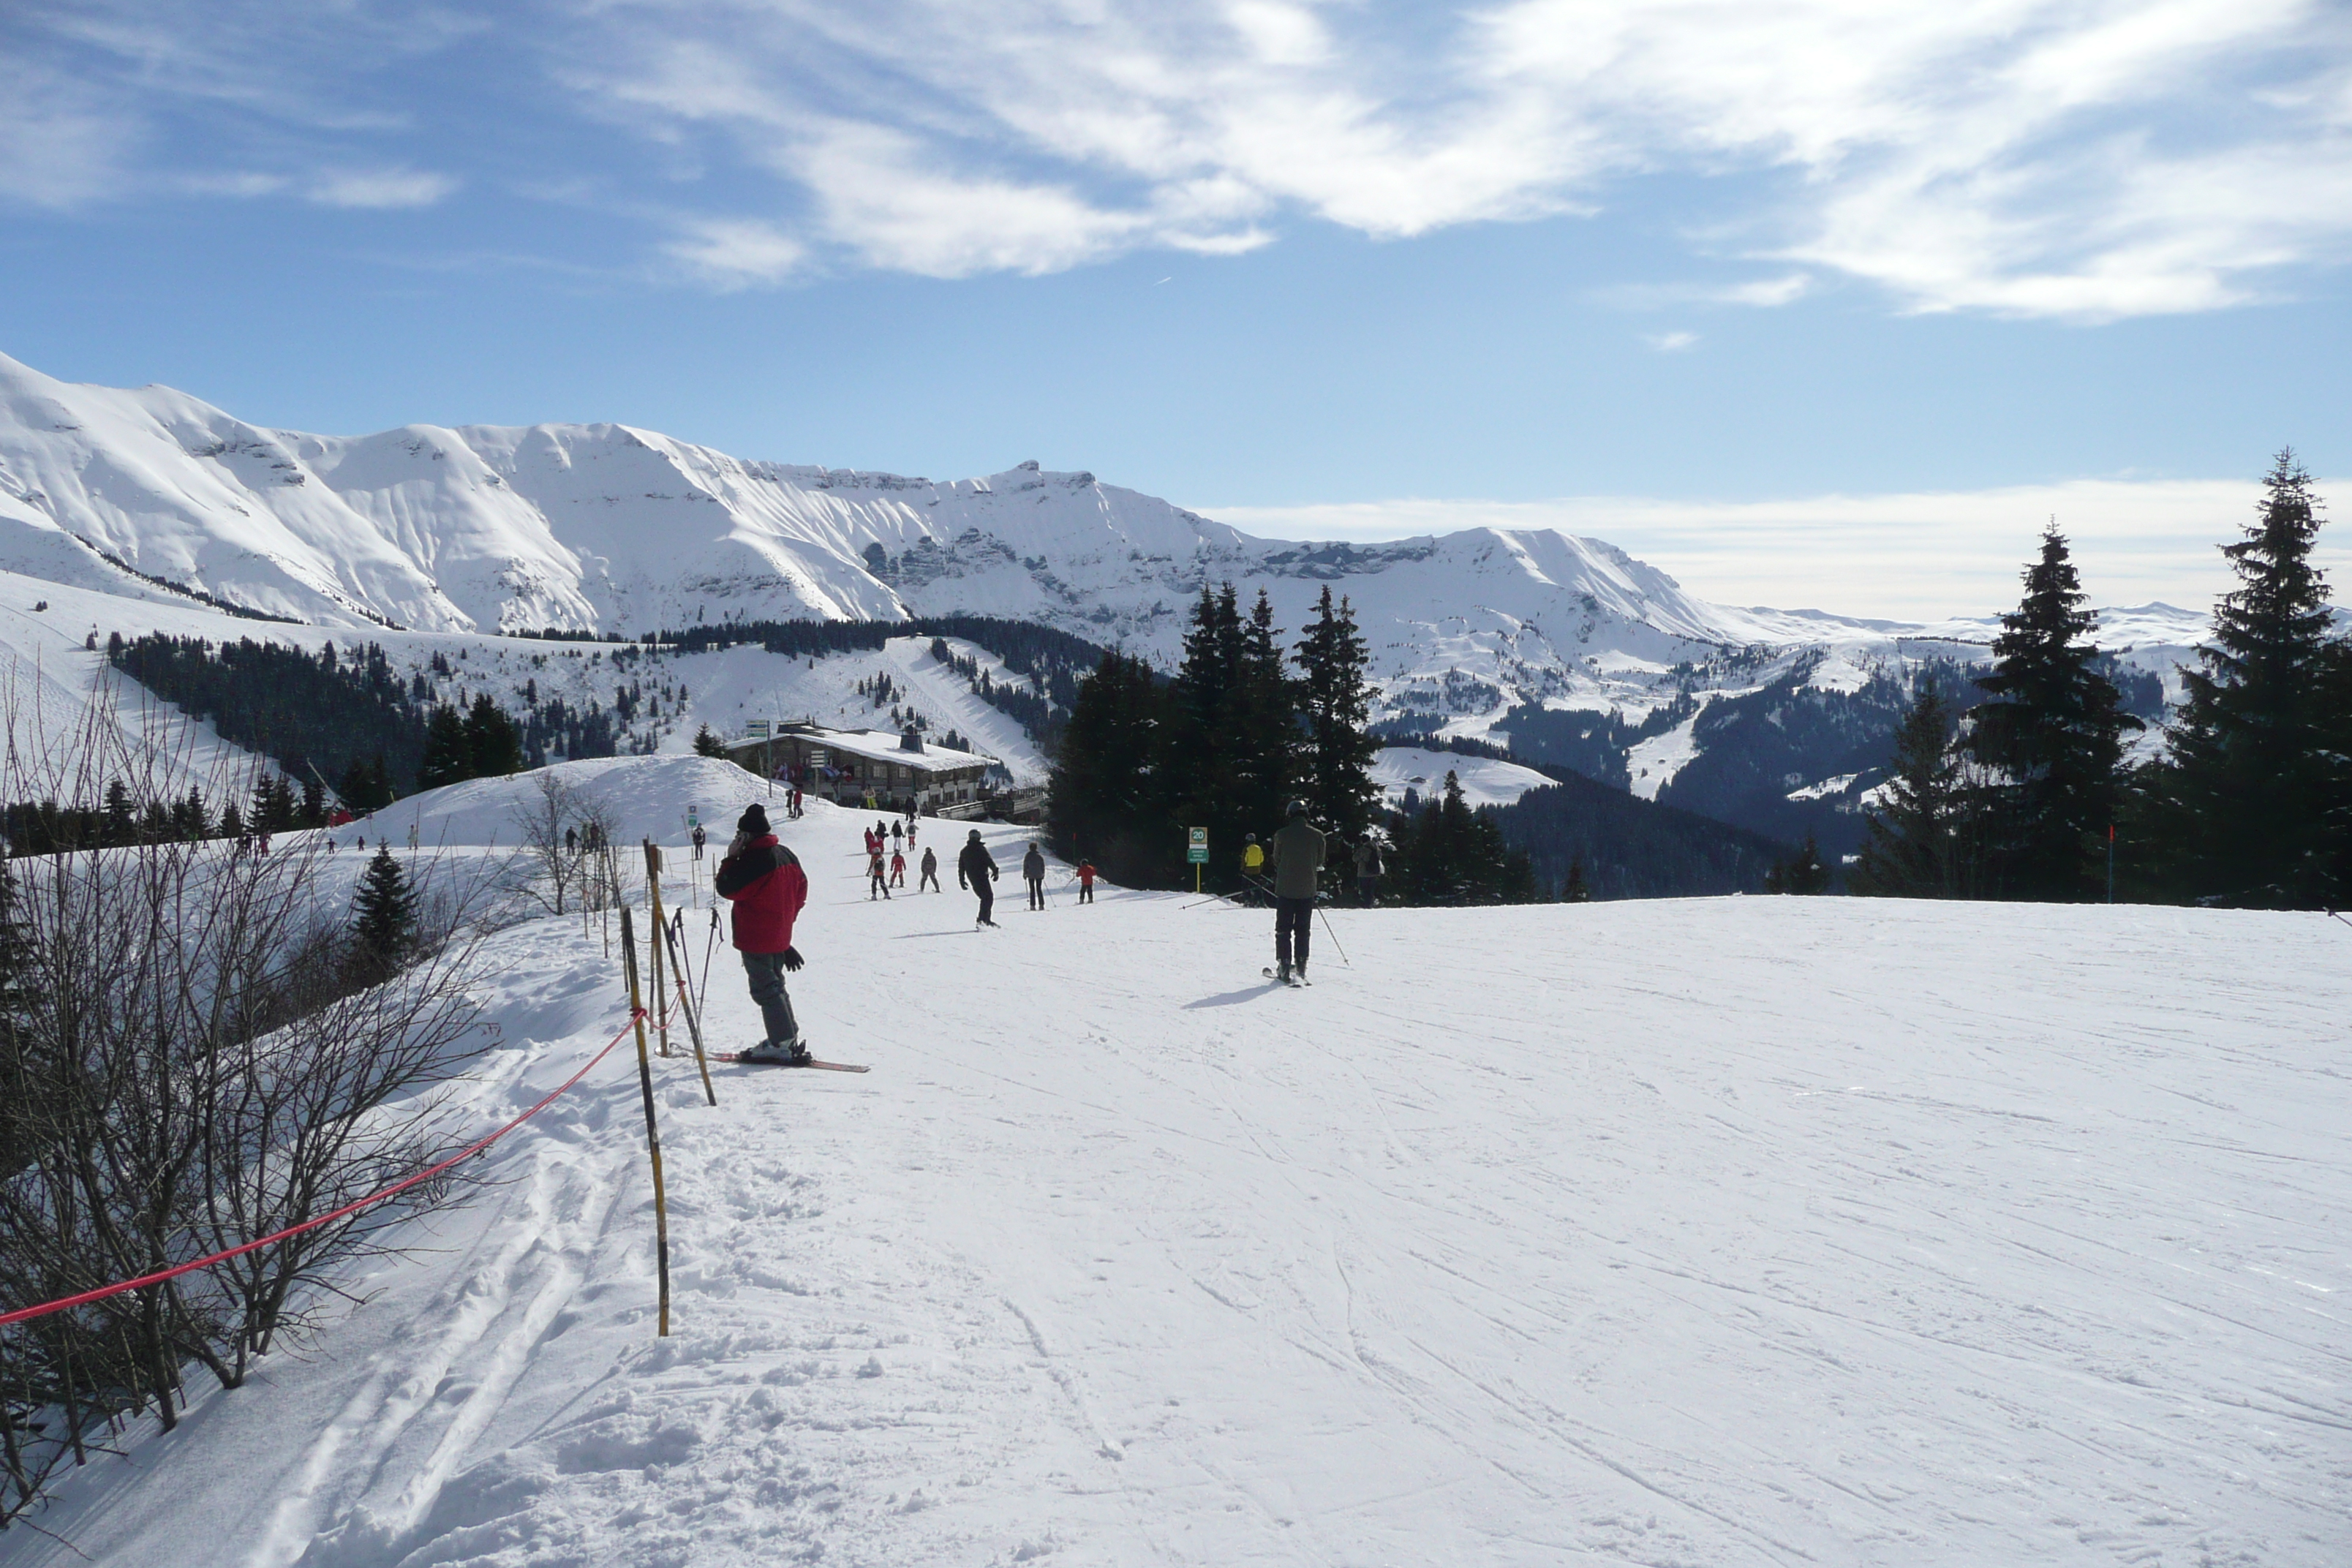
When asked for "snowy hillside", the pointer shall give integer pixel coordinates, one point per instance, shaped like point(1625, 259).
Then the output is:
point(1732, 1232)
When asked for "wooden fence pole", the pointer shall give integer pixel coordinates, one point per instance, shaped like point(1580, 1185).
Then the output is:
point(654, 941)
point(685, 1006)
point(653, 1131)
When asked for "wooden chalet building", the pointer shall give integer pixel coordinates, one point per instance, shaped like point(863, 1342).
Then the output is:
point(845, 767)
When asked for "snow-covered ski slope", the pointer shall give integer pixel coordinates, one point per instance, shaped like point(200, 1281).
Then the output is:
point(1724, 1233)
point(607, 528)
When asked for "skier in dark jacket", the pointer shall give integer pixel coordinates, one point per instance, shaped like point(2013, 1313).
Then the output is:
point(1297, 860)
point(976, 869)
point(930, 877)
point(1368, 870)
point(767, 886)
point(700, 839)
point(1033, 871)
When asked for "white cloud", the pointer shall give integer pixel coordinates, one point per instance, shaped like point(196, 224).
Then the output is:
point(379, 188)
point(2078, 159)
point(61, 144)
point(1672, 342)
point(1906, 556)
point(2073, 158)
point(733, 254)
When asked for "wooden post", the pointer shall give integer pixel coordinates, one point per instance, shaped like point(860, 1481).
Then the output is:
point(653, 1131)
point(653, 891)
point(685, 1006)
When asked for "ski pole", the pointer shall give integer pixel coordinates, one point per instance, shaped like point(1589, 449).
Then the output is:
point(2333, 916)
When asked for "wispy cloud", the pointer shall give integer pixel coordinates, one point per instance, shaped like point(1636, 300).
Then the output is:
point(735, 254)
point(2077, 159)
point(1672, 342)
point(380, 188)
point(1921, 555)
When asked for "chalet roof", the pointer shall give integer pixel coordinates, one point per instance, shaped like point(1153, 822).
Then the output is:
point(876, 745)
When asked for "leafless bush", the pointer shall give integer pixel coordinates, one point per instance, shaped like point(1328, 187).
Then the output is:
point(193, 1056)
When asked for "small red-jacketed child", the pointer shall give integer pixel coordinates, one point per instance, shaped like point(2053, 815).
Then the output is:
point(1085, 880)
point(897, 869)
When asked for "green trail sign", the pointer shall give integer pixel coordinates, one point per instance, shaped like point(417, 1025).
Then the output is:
point(1197, 852)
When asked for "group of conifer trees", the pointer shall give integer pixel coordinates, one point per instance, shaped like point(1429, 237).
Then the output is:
point(2027, 793)
point(1246, 725)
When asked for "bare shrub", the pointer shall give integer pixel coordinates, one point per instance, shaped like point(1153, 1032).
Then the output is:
point(192, 1058)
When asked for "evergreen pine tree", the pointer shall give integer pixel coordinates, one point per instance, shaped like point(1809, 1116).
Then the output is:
point(1261, 728)
point(190, 819)
point(121, 823)
point(449, 758)
point(1915, 847)
point(1108, 800)
point(708, 744)
point(384, 916)
point(1803, 872)
point(1575, 890)
point(493, 748)
point(232, 825)
point(1337, 759)
point(2244, 807)
point(2053, 737)
point(314, 793)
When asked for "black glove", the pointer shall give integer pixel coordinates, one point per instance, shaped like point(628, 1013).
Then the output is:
point(792, 958)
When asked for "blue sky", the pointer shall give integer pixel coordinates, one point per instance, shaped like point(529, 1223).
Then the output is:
point(1807, 301)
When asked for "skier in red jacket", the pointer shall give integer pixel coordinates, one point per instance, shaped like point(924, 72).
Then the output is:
point(1085, 880)
point(767, 886)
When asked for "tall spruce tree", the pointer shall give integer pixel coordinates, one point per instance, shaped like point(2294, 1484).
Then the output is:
point(1261, 728)
point(1917, 843)
point(1108, 800)
point(2052, 736)
point(1336, 761)
point(449, 758)
point(493, 748)
point(2246, 808)
point(383, 917)
point(1453, 855)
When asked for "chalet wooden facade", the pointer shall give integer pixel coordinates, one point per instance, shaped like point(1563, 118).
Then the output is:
point(850, 767)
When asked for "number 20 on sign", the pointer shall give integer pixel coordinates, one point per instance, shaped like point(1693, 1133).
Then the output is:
point(1197, 851)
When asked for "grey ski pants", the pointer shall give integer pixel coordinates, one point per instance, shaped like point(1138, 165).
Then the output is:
point(767, 972)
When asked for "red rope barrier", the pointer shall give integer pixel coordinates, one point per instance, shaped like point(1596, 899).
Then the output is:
point(103, 1291)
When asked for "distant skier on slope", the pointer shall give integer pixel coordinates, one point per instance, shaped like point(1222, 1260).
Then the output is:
point(897, 868)
point(1253, 858)
point(1033, 871)
point(1368, 870)
point(700, 839)
point(930, 877)
point(877, 877)
point(765, 882)
point(1297, 860)
point(976, 869)
point(1085, 880)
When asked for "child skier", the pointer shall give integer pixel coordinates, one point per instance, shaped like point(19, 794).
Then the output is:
point(1085, 880)
point(1033, 871)
point(930, 877)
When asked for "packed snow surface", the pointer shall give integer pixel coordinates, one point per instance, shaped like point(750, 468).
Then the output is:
point(1484, 781)
point(1764, 1231)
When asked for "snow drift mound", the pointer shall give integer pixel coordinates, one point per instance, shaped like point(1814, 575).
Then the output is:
point(635, 798)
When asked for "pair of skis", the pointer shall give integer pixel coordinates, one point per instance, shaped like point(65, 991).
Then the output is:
point(736, 1059)
point(1294, 981)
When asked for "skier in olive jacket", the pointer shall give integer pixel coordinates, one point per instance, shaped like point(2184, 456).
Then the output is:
point(764, 881)
point(1297, 860)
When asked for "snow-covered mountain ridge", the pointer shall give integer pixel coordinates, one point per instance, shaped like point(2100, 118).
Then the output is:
point(606, 528)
